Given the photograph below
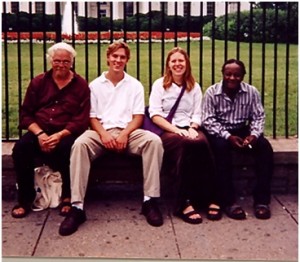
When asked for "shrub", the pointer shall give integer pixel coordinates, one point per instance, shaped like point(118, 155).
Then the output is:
point(281, 32)
point(171, 23)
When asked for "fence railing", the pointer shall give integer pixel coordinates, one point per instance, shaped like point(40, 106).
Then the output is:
point(271, 67)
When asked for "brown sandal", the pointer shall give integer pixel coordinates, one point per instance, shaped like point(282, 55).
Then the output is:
point(235, 212)
point(214, 212)
point(62, 207)
point(186, 217)
point(26, 209)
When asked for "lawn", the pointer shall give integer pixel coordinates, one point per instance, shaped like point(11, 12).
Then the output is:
point(274, 83)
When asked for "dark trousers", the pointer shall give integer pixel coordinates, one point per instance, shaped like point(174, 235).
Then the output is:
point(27, 155)
point(262, 153)
point(190, 162)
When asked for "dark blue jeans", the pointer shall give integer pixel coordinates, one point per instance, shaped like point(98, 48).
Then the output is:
point(262, 153)
point(27, 155)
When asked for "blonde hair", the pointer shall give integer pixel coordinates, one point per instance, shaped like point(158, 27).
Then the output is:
point(188, 78)
point(61, 46)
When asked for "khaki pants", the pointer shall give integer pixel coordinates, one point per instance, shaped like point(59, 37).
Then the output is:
point(88, 147)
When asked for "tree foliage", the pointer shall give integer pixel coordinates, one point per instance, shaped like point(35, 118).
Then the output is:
point(279, 25)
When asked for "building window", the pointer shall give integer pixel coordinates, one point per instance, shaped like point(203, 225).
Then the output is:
point(210, 7)
point(129, 8)
point(39, 7)
point(14, 7)
point(186, 9)
point(102, 13)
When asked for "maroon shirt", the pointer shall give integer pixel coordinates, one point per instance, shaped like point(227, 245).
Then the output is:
point(54, 109)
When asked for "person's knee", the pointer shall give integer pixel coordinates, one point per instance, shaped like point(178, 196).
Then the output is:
point(154, 139)
point(79, 143)
point(16, 149)
point(190, 146)
point(153, 144)
point(64, 149)
point(19, 149)
point(264, 145)
point(66, 143)
point(220, 144)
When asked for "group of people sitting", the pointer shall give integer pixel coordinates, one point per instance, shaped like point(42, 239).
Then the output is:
point(72, 123)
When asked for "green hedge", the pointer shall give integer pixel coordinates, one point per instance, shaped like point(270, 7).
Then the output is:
point(171, 23)
point(281, 32)
point(36, 25)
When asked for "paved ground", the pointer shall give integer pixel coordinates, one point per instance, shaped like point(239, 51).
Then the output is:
point(115, 229)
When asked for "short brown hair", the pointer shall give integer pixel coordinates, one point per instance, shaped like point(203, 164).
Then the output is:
point(117, 45)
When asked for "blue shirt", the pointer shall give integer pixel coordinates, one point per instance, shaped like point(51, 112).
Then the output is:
point(221, 114)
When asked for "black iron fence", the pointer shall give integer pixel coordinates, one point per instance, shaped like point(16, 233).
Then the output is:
point(271, 62)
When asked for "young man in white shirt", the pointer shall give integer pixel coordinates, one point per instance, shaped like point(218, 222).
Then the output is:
point(117, 109)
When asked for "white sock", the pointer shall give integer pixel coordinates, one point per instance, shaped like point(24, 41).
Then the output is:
point(79, 205)
point(146, 198)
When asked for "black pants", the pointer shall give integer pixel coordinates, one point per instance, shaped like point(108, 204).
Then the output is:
point(190, 162)
point(27, 155)
point(262, 153)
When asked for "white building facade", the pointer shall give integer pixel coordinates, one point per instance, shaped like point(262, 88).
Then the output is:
point(116, 9)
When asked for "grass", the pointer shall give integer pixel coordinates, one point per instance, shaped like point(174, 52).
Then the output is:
point(274, 80)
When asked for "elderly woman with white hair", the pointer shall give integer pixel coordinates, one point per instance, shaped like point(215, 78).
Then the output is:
point(54, 113)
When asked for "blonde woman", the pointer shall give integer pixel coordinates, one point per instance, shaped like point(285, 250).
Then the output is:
point(184, 144)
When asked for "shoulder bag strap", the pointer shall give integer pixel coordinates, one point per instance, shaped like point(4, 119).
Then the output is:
point(174, 108)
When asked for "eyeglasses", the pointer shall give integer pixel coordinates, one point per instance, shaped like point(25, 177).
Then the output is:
point(64, 62)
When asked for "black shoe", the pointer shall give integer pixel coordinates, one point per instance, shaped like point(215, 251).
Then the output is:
point(73, 220)
point(262, 211)
point(152, 213)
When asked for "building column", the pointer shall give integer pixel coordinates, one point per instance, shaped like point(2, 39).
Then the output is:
point(81, 11)
point(118, 10)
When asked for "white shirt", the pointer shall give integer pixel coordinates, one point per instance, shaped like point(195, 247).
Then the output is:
point(114, 106)
point(189, 109)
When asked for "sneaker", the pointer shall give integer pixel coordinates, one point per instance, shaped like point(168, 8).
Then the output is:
point(73, 220)
point(152, 213)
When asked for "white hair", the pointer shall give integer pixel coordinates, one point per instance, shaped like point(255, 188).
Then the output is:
point(61, 46)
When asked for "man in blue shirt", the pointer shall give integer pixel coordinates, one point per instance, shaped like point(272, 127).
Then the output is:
point(234, 118)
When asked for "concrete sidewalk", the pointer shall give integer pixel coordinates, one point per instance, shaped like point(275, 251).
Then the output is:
point(115, 229)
